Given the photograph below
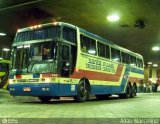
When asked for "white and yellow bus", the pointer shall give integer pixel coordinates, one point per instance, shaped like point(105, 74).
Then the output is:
point(60, 59)
point(4, 72)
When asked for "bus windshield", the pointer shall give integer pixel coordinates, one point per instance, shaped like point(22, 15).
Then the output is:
point(36, 58)
point(38, 34)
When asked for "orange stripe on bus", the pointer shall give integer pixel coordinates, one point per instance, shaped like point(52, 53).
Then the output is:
point(93, 75)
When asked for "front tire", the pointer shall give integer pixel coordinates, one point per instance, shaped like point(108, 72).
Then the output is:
point(83, 91)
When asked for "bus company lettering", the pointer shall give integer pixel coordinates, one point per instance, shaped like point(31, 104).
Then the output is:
point(93, 64)
point(99, 65)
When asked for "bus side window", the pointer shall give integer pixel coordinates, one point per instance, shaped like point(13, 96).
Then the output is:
point(139, 63)
point(101, 49)
point(125, 58)
point(88, 45)
point(107, 52)
point(115, 55)
point(133, 60)
point(83, 44)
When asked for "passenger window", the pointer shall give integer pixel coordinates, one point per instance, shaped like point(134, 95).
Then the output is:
point(107, 52)
point(115, 55)
point(88, 45)
point(101, 50)
point(139, 63)
point(125, 57)
point(133, 60)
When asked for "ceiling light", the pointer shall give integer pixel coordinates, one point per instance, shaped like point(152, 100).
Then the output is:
point(155, 65)
point(2, 34)
point(156, 48)
point(6, 49)
point(113, 18)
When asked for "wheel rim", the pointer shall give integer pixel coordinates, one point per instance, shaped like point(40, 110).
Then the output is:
point(83, 91)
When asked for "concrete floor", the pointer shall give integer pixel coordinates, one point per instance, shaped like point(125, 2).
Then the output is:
point(145, 105)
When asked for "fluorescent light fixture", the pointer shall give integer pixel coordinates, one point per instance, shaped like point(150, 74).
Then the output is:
point(149, 63)
point(6, 49)
point(155, 65)
point(2, 34)
point(155, 48)
point(113, 18)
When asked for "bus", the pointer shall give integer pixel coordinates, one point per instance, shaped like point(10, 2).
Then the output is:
point(4, 72)
point(59, 59)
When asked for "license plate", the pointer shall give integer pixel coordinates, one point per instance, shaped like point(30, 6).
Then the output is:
point(27, 89)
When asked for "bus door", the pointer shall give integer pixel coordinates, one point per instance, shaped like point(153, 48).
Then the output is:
point(65, 60)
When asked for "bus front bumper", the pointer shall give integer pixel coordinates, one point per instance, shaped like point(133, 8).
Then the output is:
point(45, 89)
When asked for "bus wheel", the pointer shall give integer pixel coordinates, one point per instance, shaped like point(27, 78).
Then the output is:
point(128, 92)
point(134, 90)
point(83, 91)
point(45, 99)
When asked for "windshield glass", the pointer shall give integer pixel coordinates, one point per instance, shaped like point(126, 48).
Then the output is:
point(38, 34)
point(36, 58)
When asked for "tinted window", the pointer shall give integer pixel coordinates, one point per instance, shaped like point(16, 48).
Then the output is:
point(132, 60)
point(139, 63)
point(101, 49)
point(69, 34)
point(88, 45)
point(115, 55)
point(125, 57)
point(47, 32)
point(107, 52)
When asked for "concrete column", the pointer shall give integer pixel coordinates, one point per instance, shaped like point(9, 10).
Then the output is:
point(146, 74)
point(154, 75)
point(144, 86)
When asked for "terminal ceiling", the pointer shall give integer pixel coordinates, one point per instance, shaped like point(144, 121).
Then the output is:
point(90, 15)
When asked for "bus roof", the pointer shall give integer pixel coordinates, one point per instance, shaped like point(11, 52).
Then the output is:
point(45, 25)
point(82, 31)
